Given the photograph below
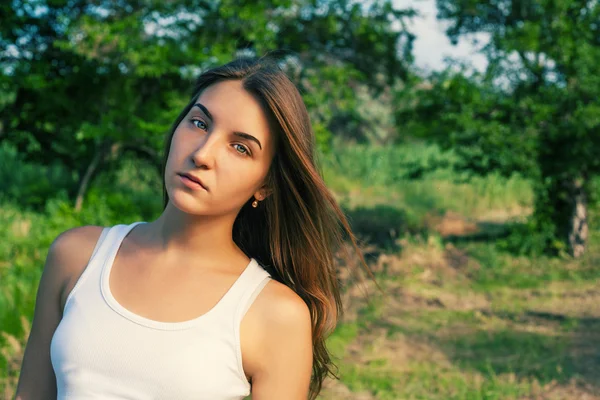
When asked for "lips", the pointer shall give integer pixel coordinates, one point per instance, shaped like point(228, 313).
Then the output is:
point(193, 179)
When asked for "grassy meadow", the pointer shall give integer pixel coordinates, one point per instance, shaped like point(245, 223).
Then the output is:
point(467, 311)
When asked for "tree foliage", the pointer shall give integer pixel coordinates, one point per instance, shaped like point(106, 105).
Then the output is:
point(534, 110)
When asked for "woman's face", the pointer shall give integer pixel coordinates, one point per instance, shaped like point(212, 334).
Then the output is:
point(225, 144)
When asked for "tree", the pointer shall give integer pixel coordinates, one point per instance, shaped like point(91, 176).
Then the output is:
point(535, 109)
point(86, 81)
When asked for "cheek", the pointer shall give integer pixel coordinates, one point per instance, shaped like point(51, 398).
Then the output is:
point(171, 163)
point(240, 182)
point(176, 148)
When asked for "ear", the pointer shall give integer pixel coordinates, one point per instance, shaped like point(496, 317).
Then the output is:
point(262, 193)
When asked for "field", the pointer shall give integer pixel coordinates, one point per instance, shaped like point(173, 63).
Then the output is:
point(467, 311)
point(461, 320)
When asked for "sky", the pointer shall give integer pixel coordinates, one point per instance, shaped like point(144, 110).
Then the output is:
point(431, 44)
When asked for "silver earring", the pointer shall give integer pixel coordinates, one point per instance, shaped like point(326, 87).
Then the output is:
point(255, 203)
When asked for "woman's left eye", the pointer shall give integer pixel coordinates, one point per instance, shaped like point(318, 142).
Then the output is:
point(241, 149)
point(196, 122)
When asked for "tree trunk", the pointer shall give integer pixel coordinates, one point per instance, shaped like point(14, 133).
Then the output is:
point(89, 173)
point(578, 224)
point(561, 212)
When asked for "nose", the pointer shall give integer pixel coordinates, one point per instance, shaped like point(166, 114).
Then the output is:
point(205, 154)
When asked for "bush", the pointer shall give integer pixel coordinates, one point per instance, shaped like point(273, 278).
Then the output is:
point(30, 184)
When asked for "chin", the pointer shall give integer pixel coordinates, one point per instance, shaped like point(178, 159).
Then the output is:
point(187, 203)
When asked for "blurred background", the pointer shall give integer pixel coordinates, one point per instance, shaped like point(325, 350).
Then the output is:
point(461, 137)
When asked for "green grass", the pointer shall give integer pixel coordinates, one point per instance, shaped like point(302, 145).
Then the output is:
point(373, 377)
point(475, 366)
point(368, 175)
point(497, 268)
point(339, 340)
point(469, 355)
point(425, 380)
point(496, 352)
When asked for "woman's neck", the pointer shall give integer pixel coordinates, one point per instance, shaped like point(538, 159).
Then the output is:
point(180, 235)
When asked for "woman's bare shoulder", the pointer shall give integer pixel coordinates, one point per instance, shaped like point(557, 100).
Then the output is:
point(275, 290)
point(75, 244)
point(278, 307)
point(70, 253)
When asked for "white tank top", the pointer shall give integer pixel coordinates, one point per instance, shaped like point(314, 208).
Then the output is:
point(100, 350)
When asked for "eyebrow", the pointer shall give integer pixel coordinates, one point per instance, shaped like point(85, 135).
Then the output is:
point(240, 134)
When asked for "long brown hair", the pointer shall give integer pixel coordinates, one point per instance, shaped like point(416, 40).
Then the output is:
point(296, 230)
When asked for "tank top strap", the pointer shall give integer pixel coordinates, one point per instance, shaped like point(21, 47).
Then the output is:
point(99, 242)
point(114, 238)
point(109, 237)
point(244, 290)
point(257, 279)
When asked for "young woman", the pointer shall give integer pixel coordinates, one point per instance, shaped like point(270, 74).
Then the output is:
point(231, 291)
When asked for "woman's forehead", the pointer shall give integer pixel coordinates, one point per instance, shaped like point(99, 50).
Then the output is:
point(232, 107)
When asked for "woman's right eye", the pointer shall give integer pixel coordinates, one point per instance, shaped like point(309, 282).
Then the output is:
point(198, 123)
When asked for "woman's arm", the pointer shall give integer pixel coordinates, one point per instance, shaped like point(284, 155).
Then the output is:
point(284, 353)
point(67, 257)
